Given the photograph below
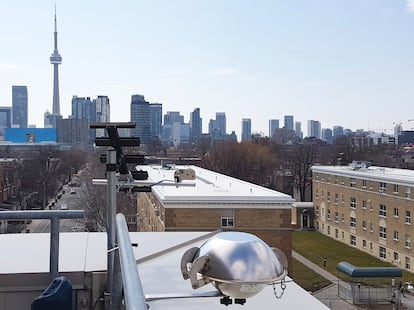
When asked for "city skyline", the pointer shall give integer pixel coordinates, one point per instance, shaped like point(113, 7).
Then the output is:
point(343, 63)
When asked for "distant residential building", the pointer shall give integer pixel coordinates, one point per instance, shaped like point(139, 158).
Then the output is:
point(156, 119)
point(172, 117)
point(406, 137)
point(73, 131)
point(273, 125)
point(369, 208)
point(84, 108)
point(327, 135)
point(180, 134)
point(103, 113)
point(212, 128)
point(50, 120)
point(20, 106)
point(141, 115)
point(221, 123)
point(314, 129)
point(5, 119)
point(196, 125)
point(338, 131)
point(298, 130)
point(288, 122)
point(246, 129)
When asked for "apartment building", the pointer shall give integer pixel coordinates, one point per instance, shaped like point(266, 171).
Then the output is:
point(216, 201)
point(367, 207)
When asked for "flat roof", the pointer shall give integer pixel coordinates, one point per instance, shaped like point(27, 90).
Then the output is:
point(374, 173)
point(159, 254)
point(369, 272)
point(212, 187)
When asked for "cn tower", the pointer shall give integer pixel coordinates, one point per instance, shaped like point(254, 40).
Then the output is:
point(55, 60)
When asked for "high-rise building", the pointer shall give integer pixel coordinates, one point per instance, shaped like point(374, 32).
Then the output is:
point(83, 108)
point(55, 60)
point(156, 119)
point(173, 117)
point(246, 129)
point(19, 106)
point(298, 130)
point(221, 123)
point(103, 113)
point(338, 131)
point(327, 135)
point(314, 129)
point(140, 114)
point(288, 122)
point(5, 119)
point(196, 125)
point(273, 125)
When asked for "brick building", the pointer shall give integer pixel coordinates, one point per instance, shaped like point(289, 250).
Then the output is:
point(368, 208)
point(216, 202)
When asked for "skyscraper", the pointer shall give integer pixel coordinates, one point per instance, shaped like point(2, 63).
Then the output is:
point(5, 119)
point(289, 122)
point(314, 129)
point(156, 119)
point(298, 130)
point(196, 125)
point(55, 60)
point(103, 113)
point(19, 106)
point(246, 129)
point(221, 123)
point(273, 125)
point(140, 114)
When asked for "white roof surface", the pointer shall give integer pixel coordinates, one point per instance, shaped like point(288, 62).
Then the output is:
point(160, 273)
point(375, 173)
point(211, 187)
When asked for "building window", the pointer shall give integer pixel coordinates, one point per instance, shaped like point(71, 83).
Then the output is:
point(395, 212)
point(336, 217)
point(343, 181)
point(383, 232)
point(227, 218)
point(329, 230)
point(395, 189)
point(352, 182)
point(342, 218)
point(352, 202)
point(328, 215)
point(364, 224)
point(396, 257)
point(336, 198)
point(364, 204)
point(407, 217)
point(382, 252)
point(371, 227)
point(407, 192)
point(352, 240)
point(408, 241)
point(407, 262)
point(382, 187)
point(336, 233)
point(382, 210)
point(343, 198)
point(317, 193)
point(364, 243)
point(317, 210)
point(343, 235)
point(395, 235)
point(364, 183)
point(352, 222)
point(328, 196)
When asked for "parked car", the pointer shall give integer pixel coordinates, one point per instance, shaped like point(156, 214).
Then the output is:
point(64, 206)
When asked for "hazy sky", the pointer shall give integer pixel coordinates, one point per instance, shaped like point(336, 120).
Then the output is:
point(342, 62)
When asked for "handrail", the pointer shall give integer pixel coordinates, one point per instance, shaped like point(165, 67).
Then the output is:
point(54, 216)
point(133, 291)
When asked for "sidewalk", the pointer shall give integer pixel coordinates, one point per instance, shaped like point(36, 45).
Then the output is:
point(329, 295)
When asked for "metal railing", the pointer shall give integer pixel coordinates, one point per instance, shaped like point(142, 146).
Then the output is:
point(54, 216)
point(125, 266)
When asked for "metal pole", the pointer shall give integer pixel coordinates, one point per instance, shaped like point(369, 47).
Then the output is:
point(110, 217)
point(134, 294)
point(54, 248)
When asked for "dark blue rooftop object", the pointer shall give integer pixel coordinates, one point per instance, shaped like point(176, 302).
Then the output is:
point(369, 272)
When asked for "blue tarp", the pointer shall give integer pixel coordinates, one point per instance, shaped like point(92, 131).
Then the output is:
point(369, 272)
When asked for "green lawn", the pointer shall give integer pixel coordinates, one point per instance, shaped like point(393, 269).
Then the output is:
point(315, 246)
point(306, 278)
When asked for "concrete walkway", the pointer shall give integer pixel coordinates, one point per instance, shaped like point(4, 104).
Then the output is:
point(329, 295)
